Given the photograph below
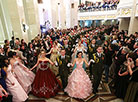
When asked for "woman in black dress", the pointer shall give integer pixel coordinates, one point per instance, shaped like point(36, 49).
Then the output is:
point(132, 90)
point(123, 77)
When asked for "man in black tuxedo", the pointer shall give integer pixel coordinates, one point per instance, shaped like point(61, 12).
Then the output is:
point(68, 47)
point(63, 61)
point(91, 50)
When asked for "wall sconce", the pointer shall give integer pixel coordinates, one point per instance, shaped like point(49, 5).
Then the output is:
point(25, 27)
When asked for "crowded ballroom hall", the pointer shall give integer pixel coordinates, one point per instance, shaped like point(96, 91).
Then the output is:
point(68, 50)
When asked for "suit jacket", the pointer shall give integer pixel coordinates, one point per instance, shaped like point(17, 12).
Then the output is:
point(68, 50)
point(62, 63)
point(99, 62)
point(91, 50)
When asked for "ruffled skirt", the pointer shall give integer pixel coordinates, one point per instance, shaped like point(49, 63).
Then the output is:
point(79, 84)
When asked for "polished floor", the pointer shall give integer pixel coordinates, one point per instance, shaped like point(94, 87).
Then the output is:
point(104, 95)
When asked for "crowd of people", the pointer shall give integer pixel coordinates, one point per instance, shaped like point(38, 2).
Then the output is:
point(67, 53)
point(98, 6)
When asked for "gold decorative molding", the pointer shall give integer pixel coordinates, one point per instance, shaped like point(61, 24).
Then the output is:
point(124, 12)
point(99, 17)
point(136, 13)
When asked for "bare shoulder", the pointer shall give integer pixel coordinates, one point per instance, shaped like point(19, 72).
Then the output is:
point(39, 59)
point(47, 59)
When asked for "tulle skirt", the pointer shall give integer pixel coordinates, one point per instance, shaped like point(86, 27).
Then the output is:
point(14, 88)
point(79, 84)
point(24, 77)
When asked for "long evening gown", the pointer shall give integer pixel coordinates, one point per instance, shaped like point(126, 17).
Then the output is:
point(24, 77)
point(2, 79)
point(16, 90)
point(53, 57)
point(79, 84)
point(45, 83)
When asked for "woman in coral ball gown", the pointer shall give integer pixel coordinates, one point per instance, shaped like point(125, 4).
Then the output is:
point(45, 83)
point(79, 84)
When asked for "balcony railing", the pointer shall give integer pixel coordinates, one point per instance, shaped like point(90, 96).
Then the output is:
point(98, 8)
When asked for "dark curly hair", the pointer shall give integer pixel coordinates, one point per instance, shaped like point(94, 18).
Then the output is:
point(79, 53)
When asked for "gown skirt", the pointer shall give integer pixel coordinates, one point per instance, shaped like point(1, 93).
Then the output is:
point(24, 76)
point(14, 88)
point(79, 84)
point(45, 83)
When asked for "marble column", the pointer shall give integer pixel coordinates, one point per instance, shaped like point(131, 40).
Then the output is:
point(16, 14)
point(124, 23)
point(68, 13)
point(6, 26)
point(54, 13)
point(63, 14)
point(133, 21)
point(74, 13)
point(32, 18)
point(94, 23)
point(2, 36)
point(59, 16)
point(59, 13)
point(3, 30)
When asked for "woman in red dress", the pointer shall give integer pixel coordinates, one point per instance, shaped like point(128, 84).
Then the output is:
point(45, 83)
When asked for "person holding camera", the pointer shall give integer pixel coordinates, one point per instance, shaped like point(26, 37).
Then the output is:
point(123, 76)
point(132, 90)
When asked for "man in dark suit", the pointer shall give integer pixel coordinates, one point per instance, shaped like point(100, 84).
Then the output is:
point(67, 47)
point(63, 62)
point(98, 67)
point(91, 50)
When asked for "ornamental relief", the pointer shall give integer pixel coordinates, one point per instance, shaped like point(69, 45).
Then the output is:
point(124, 12)
point(98, 17)
point(136, 13)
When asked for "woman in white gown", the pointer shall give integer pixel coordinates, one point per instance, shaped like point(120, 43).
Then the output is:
point(24, 76)
point(14, 88)
point(79, 84)
point(79, 48)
